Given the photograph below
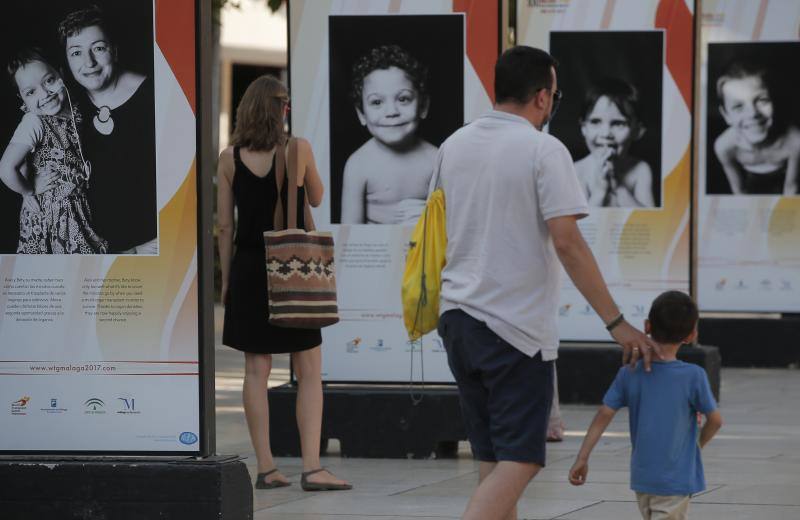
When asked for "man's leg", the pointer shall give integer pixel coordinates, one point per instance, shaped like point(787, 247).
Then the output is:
point(501, 485)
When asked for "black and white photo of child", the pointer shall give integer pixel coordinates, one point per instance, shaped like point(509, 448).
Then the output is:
point(77, 118)
point(396, 94)
point(753, 124)
point(610, 117)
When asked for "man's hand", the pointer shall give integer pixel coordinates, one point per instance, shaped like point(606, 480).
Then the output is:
point(635, 344)
point(577, 475)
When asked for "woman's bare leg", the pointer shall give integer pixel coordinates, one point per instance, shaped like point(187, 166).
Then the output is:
point(307, 366)
point(256, 410)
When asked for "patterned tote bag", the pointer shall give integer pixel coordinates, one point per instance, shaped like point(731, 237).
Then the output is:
point(301, 281)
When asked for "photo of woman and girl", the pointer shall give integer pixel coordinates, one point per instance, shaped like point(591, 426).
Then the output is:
point(82, 154)
point(610, 118)
point(394, 98)
point(758, 151)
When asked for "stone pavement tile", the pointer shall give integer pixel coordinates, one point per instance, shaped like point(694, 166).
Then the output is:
point(774, 493)
point(352, 504)
point(629, 511)
point(270, 515)
point(328, 506)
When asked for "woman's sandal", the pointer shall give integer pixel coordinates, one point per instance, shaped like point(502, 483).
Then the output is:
point(320, 486)
point(261, 482)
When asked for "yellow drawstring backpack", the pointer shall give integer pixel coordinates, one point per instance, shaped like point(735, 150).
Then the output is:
point(422, 277)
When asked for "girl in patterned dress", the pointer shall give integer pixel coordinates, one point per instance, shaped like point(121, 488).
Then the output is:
point(55, 216)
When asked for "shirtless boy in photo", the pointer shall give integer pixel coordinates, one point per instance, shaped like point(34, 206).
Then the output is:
point(386, 179)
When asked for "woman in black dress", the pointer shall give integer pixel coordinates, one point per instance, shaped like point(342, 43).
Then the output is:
point(246, 179)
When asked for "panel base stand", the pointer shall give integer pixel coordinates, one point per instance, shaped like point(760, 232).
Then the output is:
point(105, 488)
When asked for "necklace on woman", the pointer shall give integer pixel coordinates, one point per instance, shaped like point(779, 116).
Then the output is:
point(103, 121)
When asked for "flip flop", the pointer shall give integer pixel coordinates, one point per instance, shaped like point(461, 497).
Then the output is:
point(320, 486)
point(261, 483)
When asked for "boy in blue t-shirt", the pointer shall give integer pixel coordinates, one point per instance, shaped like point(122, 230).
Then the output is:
point(666, 468)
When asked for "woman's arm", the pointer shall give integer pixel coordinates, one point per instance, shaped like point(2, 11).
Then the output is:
point(309, 174)
point(353, 188)
point(225, 168)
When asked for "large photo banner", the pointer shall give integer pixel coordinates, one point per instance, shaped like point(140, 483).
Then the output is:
point(99, 341)
point(749, 157)
point(625, 68)
point(376, 87)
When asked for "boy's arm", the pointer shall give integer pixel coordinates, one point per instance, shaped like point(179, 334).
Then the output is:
point(792, 184)
point(724, 152)
point(711, 427)
point(577, 475)
point(353, 190)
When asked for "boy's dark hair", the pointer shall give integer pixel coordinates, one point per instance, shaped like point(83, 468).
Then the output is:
point(76, 21)
point(383, 57)
point(741, 69)
point(673, 316)
point(521, 72)
point(623, 94)
point(24, 56)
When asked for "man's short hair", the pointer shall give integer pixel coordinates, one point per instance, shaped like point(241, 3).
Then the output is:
point(673, 316)
point(521, 72)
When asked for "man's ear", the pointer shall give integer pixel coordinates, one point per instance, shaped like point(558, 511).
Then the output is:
point(361, 117)
point(640, 131)
point(647, 326)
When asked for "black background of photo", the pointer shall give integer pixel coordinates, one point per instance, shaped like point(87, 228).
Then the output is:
point(435, 40)
point(783, 61)
point(35, 23)
point(634, 56)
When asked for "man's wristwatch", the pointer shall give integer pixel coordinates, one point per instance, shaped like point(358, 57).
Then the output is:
point(611, 325)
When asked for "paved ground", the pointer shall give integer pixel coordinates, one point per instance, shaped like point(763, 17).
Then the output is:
point(752, 467)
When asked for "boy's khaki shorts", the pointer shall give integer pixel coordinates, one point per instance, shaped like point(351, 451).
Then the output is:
point(657, 507)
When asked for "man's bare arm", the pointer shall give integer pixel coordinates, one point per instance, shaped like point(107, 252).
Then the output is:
point(579, 262)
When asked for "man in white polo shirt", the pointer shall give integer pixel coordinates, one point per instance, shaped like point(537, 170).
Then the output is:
point(513, 200)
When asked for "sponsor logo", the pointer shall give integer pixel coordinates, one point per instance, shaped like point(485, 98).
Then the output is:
point(741, 285)
point(587, 310)
point(20, 406)
point(380, 346)
point(352, 346)
point(54, 408)
point(438, 345)
point(721, 284)
point(786, 285)
point(766, 284)
point(638, 310)
point(187, 438)
point(564, 309)
point(127, 406)
point(94, 406)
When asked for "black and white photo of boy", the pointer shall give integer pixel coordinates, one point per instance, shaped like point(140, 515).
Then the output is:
point(753, 121)
point(396, 92)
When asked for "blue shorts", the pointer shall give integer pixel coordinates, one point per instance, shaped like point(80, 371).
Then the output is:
point(505, 395)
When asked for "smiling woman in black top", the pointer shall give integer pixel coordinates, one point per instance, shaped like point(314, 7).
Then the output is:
point(119, 134)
